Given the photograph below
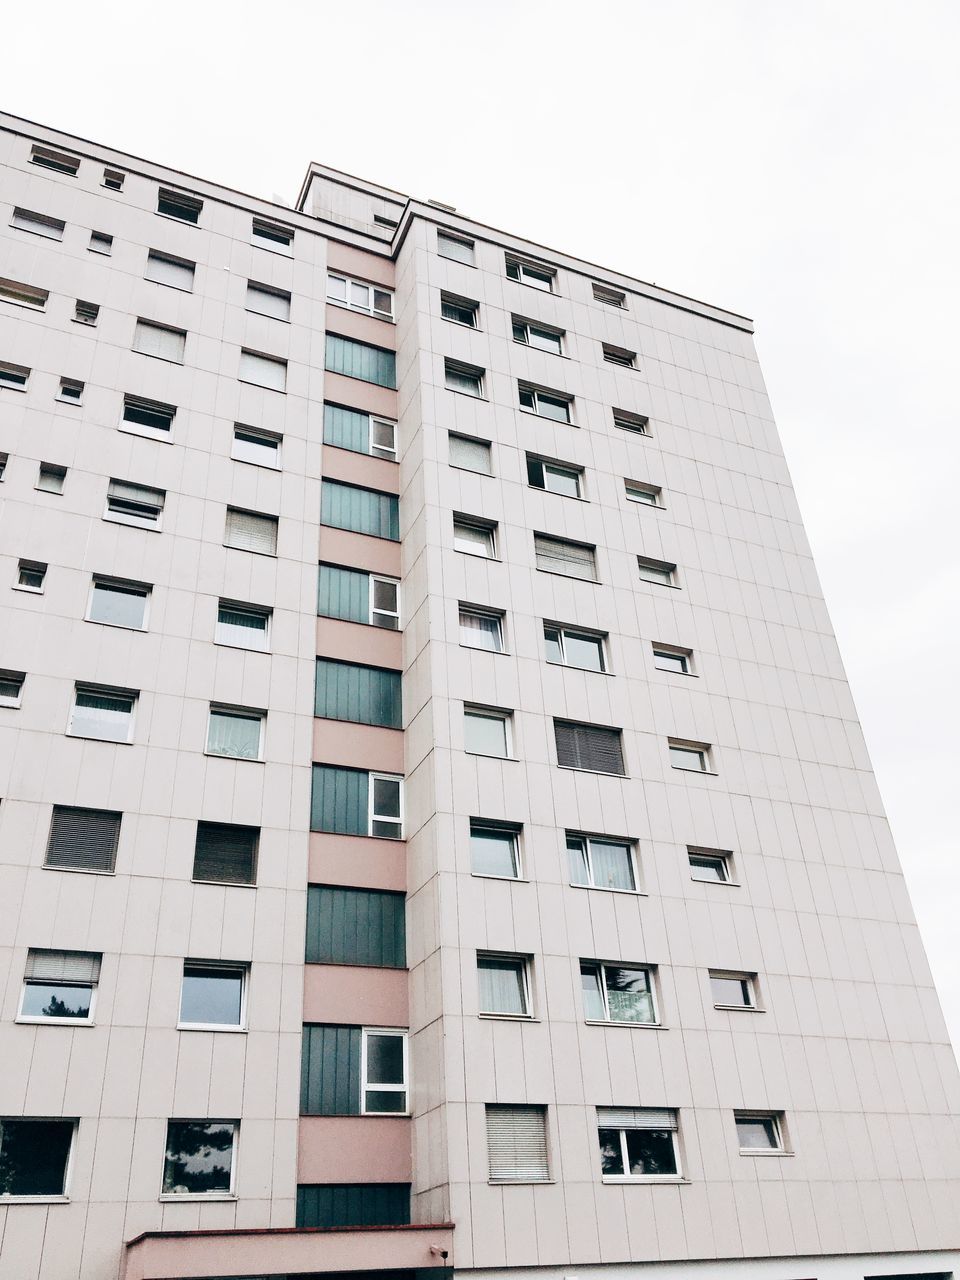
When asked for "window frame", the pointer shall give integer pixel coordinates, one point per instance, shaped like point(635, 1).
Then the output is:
point(144, 406)
point(475, 711)
point(182, 200)
point(654, 494)
point(101, 242)
point(458, 302)
point(587, 839)
point(637, 424)
point(778, 1121)
point(8, 676)
point(34, 1019)
point(63, 1195)
point(257, 433)
point(36, 567)
point(14, 377)
point(171, 259)
point(550, 466)
point(594, 577)
point(464, 241)
point(67, 385)
point(616, 731)
point(510, 830)
point(374, 776)
point(373, 579)
point(526, 271)
point(255, 287)
point(260, 229)
point(54, 227)
point(748, 985)
point(619, 356)
point(685, 656)
point(579, 633)
point(546, 396)
point(463, 522)
point(665, 570)
point(241, 607)
point(601, 967)
point(523, 963)
point(272, 520)
point(56, 161)
point(142, 325)
point(702, 749)
point(546, 330)
point(366, 1087)
point(619, 1178)
point(542, 1114)
point(277, 362)
point(132, 696)
point(87, 313)
point(128, 587)
point(220, 1194)
point(459, 465)
point(52, 471)
point(467, 371)
point(479, 611)
point(373, 289)
point(30, 296)
point(723, 857)
point(610, 296)
point(228, 966)
point(237, 713)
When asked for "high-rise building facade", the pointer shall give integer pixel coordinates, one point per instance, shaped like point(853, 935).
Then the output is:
point(435, 830)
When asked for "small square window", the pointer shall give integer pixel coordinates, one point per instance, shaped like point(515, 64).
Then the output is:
point(51, 477)
point(71, 391)
point(176, 204)
point(14, 376)
point(537, 276)
point(617, 993)
point(34, 1157)
point(611, 297)
point(100, 242)
point(546, 404)
point(386, 806)
point(760, 1132)
point(668, 658)
point(572, 648)
point(600, 862)
point(459, 310)
point(469, 454)
point(102, 713)
point(213, 995)
point(692, 756)
point(30, 575)
point(383, 1072)
point(649, 494)
point(199, 1158)
point(465, 378)
point(733, 990)
point(637, 423)
point(59, 986)
point(236, 732)
point(116, 603)
point(494, 849)
point(538, 336)
point(11, 687)
point(58, 161)
point(86, 312)
point(475, 537)
point(554, 477)
point(455, 248)
point(243, 626)
point(619, 355)
point(504, 985)
point(271, 235)
point(486, 732)
point(113, 179)
point(659, 571)
point(261, 448)
point(481, 629)
point(712, 866)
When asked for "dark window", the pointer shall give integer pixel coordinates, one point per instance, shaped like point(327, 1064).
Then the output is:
point(148, 413)
point(83, 839)
point(175, 204)
point(33, 1157)
point(59, 161)
point(589, 746)
point(355, 927)
point(226, 853)
point(199, 1157)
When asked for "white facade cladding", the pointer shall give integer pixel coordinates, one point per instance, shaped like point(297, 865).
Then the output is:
point(655, 996)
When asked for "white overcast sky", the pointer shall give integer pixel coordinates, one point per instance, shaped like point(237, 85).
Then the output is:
point(796, 162)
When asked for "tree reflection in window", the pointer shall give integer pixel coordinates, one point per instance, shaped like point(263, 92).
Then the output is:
point(199, 1157)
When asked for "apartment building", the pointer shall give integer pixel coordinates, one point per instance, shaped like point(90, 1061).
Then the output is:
point(435, 830)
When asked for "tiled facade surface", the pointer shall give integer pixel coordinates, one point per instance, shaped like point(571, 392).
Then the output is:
point(847, 1042)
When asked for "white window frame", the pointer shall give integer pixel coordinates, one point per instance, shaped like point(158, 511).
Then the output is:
point(387, 451)
point(487, 527)
point(266, 361)
point(373, 816)
point(523, 961)
point(57, 161)
point(55, 1198)
point(113, 179)
point(134, 521)
point(272, 243)
point(749, 980)
point(252, 609)
point(673, 651)
point(51, 471)
point(579, 632)
point(637, 424)
point(652, 493)
point(31, 566)
point(350, 283)
point(185, 201)
point(374, 578)
point(365, 1085)
point(270, 521)
point(87, 313)
point(542, 394)
point(722, 856)
point(14, 377)
point(462, 304)
point(517, 322)
point(257, 434)
point(132, 588)
point(476, 612)
point(475, 711)
point(536, 275)
point(781, 1149)
point(62, 394)
point(143, 326)
point(548, 468)
point(238, 713)
point(229, 1193)
point(227, 966)
point(12, 677)
point(101, 242)
point(644, 1177)
point(629, 845)
point(34, 1019)
point(666, 573)
point(504, 829)
point(93, 689)
point(650, 970)
point(701, 749)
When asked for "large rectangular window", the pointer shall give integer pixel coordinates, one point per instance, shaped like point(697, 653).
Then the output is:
point(199, 1159)
point(638, 1143)
point(226, 853)
point(347, 506)
point(59, 986)
point(82, 839)
point(159, 340)
point(371, 299)
point(600, 863)
point(617, 993)
point(355, 596)
point(517, 1143)
point(34, 1157)
point(559, 555)
point(592, 747)
point(359, 432)
point(364, 695)
point(355, 927)
point(354, 802)
point(361, 360)
point(251, 531)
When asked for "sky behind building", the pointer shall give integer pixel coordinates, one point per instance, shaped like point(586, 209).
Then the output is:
point(793, 163)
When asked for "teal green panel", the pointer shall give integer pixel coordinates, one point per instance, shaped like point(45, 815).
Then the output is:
point(360, 360)
point(343, 593)
point(346, 428)
point(355, 926)
point(364, 1204)
point(364, 695)
point(347, 506)
point(339, 802)
point(330, 1071)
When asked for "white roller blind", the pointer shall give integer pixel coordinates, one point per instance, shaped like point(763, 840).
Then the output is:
point(136, 493)
point(157, 340)
point(573, 559)
point(264, 371)
point(38, 223)
point(251, 532)
point(472, 455)
point(163, 269)
point(636, 1118)
point(268, 302)
point(517, 1144)
point(62, 966)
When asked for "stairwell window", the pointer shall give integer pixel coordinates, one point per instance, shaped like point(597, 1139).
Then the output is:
point(160, 341)
point(357, 295)
point(386, 806)
point(618, 993)
point(570, 559)
point(164, 268)
point(534, 274)
point(465, 378)
point(517, 1143)
point(102, 713)
point(356, 596)
point(251, 531)
point(546, 404)
point(177, 204)
point(360, 510)
point(360, 360)
point(638, 1143)
point(262, 370)
point(38, 224)
point(598, 862)
point(83, 839)
point(353, 802)
point(59, 986)
point(591, 747)
point(265, 300)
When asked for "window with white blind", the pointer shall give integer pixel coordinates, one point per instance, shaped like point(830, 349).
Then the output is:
point(177, 204)
point(38, 223)
point(103, 713)
point(159, 341)
point(591, 747)
point(481, 629)
point(251, 531)
point(82, 839)
point(23, 295)
point(265, 300)
point(272, 236)
point(153, 414)
point(470, 454)
point(226, 853)
point(243, 626)
point(638, 1143)
point(571, 559)
point(261, 448)
point(504, 985)
point(456, 248)
point(384, 1071)
point(59, 986)
point(164, 268)
point(135, 504)
point(116, 603)
point(517, 1143)
point(262, 370)
point(357, 295)
point(236, 732)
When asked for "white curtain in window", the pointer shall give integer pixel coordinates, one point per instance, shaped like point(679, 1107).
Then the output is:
point(157, 340)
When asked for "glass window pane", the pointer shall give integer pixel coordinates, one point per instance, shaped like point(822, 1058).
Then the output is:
point(708, 868)
point(684, 758)
point(211, 995)
point(485, 735)
point(493, 853)
point(628, 994)
point(337, 288)
point(359, 296)
point(651, 1152)
point(386, 797)
point(380, 1101)
point(665, 661)
point(473, 539)
point(528, 400)
point(728, 990)
point(383, 302)
point(562, 481)
point(554, 648)
point(56, 1000)
point(544, 339)
point(384, 1059)
point(611, 1153)
point(593, 1005)
point(480, 631)
point(240, 628)
point(612, 865)
point(199, 1158)
point(385, 595)
point(120, 606)
point(230, 734)
point(551, 407)
point(502, 988)
point(577, 852)
point(33, 1156)
point(97, 715)
point(583, 651)
point(758, 1133)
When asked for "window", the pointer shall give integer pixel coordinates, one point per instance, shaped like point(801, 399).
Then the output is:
point(638, 423)
point(71, 391)
point(650, 494)
point(38, 223)
point(667, 658)
point(176, 204)
point(34, 1157)
point(347, 506)
point(134, 504)
point(466, 378)
point(591, 747)
point(386, 806)
point(381, 221)
point(470, 454)
point(251, 531)
point(352, 802)
point(355, 926)
point(59, 161)
point(372, 300)
point(4, 459)
point(153, 414)
point(475, 537)
point(494, 849)
point(571, 559)
point(59, 985)
point(659, 571)
point(693, 756)
point(458, 250)
point(383, 1072)
point(583, 649)
point(504, 985)
point(517, 1144)
point(361, 360)
point(164, 268)
point(113, 179)
point(86, 312)
point(555, 477)
point(538, 277)
point(486, 732)
point(262, 448)
point(51, 477)
point(30, 575)
point(212, 994)
point(100, 242)
point(548, 404)
point(538, 335)
point(358, 597)
point(733, 990)
point(353, 1204)
point(359, 432)
point(226, 853)
point(199, 1158)
point(236, 732)
point(459, 310)
point(23, 295)
point(617, 993)
point(481, 629)
point(612, 297)
point(358, 694)
point(243, 626)
point(118, 604)
point(597, 862)
point(11, 687)
point(82, 839)
point(160, 341)
point(619, 355)
point(102, 713)
point(267, 301)
point(712, 865)
point(14, 376)
point(760, 1132)
point(270, 235)
point(638, 1142)
point(263, 371)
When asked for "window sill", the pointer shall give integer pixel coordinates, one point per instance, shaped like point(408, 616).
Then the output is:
point(608, 888)
point(6, 386)
point(597, 773)
point(447, 258)
point(120, 626)
point(285, 251)
point(87, 324)
point(543, 351)
point(244, 648)
point(146, 433)
point(181, 222)
point(555, 573)
point(54, 1022)
point(112, 518)
point(163, 359)
point(740, 1008)
point(83, 871)
point(619, 1180)
point(223, 755)
point(447, 320)
point(270, 555)
point(268, 315)
point(700, 773)
point(650, 506)
point(69, 400)
point(478, 555)
point(281, 391)
point(24, 306)
point(495, 653)
point(9, 706)
point(192, 1197)
point(165, 284)
point(488, 755)
point(671, 586)
point(507, 1017)
point(571, 497)
point(34, 1199)
point(569, 666)
point(249, 462)
point(87, 737)
point(687, 675)
point(750, 1151)
point(621, 1022)
point(732, 884)
point(453, 391)
point(486, 875)
point(521, 1182)
point(545, 417)
point(211, 1026)
point(549, 293)
point(225, 884)
point(31, 591)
